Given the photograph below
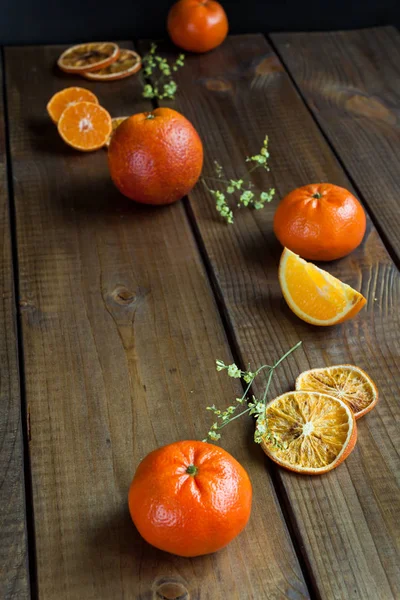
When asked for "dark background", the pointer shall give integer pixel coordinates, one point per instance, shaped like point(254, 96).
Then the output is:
point(40, 21)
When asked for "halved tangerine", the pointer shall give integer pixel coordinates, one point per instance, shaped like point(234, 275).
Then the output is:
point(88, 57)
point(346, 382)
point(115, 122)
point(85, 126)
point(314, 295)
point(66, 97)
point(128, 63)
point(316, 432)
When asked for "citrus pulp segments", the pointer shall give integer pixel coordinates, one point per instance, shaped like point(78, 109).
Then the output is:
point(346, 382)
point(314, 295)
point(315, 432)
point(88, 57)
point(85, 126)
point(128, 63)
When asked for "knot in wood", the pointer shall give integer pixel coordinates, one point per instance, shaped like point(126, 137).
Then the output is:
point(170, 589)
point(26, 304)
point(270, 64)
point(122, 296)
point(371, 108)
point(218, 85)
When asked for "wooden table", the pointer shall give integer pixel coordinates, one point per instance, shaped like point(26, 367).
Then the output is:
point(113, 314)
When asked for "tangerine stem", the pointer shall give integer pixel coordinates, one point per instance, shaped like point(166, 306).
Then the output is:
point(192, 470)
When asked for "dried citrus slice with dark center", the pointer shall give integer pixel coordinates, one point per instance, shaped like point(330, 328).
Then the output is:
point(115, 122)
point(88, 57)
point(347, 382)
point(316, 432)
point(64, 98)
point(128, 63)
point(85, 126)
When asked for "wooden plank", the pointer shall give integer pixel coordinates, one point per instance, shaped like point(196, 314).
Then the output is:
point(351, 83)
point(14, 576)
point(121, 332)
point(347, 520)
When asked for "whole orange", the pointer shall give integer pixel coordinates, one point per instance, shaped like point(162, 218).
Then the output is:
point(320, 221)
point(197, 25)
point(155, 157)
point(190, 498)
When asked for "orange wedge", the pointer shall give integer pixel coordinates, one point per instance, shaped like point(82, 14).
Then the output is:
point(85, 126)
point(115, 122)
point(316, 432)
point(88, 57)
point(346, 382)
point(128, 63)
point(314, 295)
point(64, 98)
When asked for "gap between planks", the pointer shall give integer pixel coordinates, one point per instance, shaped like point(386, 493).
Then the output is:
point(227, 324)
point(24, 411)
point(367, 207)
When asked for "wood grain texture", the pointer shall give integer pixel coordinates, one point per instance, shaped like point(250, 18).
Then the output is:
point(348, 519)
point(121, 333)
point(351, 82)
point(14, 576)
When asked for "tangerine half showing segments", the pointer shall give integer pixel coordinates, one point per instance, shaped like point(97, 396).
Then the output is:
point(155, 157)
point(320, 222)
point(316, 432)
point(85, 126)
point(190, 498)
point(66, 97)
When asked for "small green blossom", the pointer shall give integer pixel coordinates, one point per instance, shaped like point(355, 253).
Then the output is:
point(248, 377)
point(247, 197)
point(160, 89)
point(254, 406)
point(233, 371)
point(214, 436)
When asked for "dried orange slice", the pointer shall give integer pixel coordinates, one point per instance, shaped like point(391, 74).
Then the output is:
point(346, 382)
point(115, 122)
point(314, 295)
point(64, 98)
point(85, 126)
point(316, 432)
point(128, 63)
point(88, 57)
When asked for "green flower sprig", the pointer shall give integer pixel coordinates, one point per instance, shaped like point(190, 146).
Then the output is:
point(254, 406)
point(241, 188)
point(164, 86)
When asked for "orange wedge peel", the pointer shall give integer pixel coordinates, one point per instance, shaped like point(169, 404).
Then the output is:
point(314, 295)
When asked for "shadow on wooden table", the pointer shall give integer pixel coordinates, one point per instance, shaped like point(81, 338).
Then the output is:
point(117, 543)
point(45, 138)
